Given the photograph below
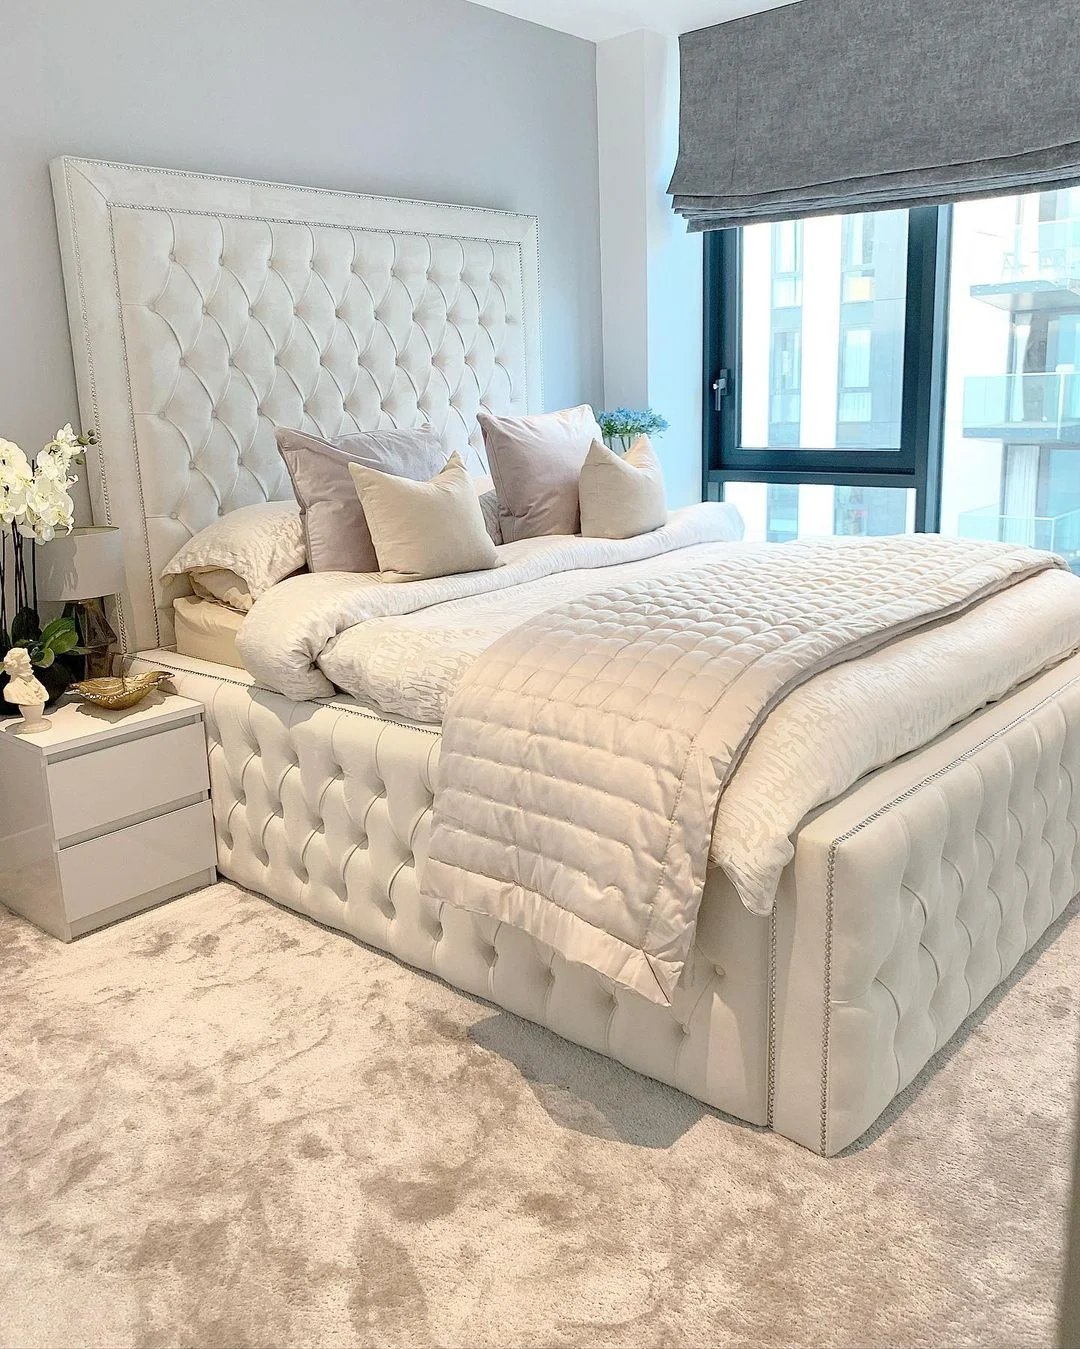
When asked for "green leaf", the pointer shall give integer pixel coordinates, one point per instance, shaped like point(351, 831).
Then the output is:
point(45, 659)
point(58, 627)
point(62, 642)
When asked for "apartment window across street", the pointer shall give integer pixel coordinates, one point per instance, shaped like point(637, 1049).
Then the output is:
point(882, 373)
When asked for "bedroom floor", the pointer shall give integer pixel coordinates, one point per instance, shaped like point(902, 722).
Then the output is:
point(223, 1125)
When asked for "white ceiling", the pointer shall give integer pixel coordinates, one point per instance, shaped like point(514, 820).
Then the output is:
point(600, 19)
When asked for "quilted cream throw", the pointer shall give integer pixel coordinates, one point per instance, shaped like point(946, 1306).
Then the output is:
point(585, 752)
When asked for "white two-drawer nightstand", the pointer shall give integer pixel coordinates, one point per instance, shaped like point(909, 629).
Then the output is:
point(104, 813)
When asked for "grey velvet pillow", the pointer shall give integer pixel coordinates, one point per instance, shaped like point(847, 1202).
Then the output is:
point(335, 530)
point(536, 463)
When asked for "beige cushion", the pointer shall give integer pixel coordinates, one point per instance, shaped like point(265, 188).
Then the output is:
point(335, 530)
point(622, 497)
point(425, 529)
point(535, 463)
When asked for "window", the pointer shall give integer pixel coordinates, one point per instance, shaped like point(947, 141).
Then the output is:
point(785, 401)
point(857, 262)
point(779, 512)
point(855, 400)
point(782, 513)
point(878, 373)
point(787, 264)
point(1011, 464)
point(819, 357)
point(820, 353)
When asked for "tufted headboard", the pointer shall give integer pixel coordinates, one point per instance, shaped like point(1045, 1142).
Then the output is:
point(206, 311)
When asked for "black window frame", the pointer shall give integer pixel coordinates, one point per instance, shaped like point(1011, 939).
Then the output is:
point(916, 465)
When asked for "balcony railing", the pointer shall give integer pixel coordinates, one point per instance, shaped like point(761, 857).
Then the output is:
point(1057, 533)
point(1023, 407)
point(1051, 254)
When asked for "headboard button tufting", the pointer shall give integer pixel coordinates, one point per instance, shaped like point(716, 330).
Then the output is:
point(310, 270)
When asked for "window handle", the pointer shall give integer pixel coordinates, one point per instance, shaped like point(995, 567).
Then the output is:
point(720, 388)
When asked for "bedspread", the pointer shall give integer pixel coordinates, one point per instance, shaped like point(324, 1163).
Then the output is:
point(585, 752)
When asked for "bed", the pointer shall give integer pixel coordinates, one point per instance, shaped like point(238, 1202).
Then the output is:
point(205, 312)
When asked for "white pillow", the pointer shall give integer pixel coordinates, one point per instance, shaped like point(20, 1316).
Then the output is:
point(261, 544)
point(622, 497)
point(425, 529)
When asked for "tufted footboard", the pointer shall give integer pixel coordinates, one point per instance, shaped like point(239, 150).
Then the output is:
point(908, 900)
point(917, 894)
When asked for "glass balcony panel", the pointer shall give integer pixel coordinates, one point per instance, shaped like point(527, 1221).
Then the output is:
point(1023, 407)
point(1057, 534)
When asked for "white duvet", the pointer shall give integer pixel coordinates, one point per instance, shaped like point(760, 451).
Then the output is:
point(406, 649)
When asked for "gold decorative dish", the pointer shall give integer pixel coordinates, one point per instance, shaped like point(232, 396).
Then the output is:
point(118, 694)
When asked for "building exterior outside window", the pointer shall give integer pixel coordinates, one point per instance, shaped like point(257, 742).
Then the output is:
point(821, 369)
point(823, 327)
point(782, 513)
point(1011, 466)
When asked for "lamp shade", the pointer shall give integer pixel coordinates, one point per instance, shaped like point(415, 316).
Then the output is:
point(83, 565)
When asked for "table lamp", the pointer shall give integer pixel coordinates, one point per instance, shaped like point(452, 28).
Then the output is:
point(78, 570)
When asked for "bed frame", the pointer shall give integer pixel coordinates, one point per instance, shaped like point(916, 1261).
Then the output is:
point(206, 310)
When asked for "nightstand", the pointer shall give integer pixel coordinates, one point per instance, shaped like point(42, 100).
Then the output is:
point(104, 813)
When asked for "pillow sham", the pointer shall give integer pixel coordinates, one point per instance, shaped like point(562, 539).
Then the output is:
point(536, 463)
point(335, 531)
point(425, 529)
point(221, 586)
point(622, 497)
point(260, 544)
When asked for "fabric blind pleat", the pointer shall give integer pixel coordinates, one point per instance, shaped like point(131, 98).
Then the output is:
point(826, 106)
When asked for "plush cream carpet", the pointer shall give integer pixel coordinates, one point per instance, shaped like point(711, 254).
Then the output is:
point(224, 1126)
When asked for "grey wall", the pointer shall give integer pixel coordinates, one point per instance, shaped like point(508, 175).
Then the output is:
point(437, 99)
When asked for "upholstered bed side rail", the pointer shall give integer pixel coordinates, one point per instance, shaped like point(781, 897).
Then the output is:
point(915, 899)
point(326, 808)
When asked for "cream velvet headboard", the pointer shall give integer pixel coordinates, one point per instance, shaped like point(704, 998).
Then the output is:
point(206, 311)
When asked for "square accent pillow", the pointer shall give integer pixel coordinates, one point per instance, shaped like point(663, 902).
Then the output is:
point(425, 529)
point(536, 463)
point(622, 497)
point(335, 530)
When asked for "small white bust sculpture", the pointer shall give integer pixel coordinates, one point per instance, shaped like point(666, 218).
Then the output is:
point(22, 688)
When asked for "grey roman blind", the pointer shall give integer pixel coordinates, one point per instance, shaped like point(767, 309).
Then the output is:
point(855, 105)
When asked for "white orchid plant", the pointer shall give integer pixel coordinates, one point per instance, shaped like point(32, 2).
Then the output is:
point(35, 507)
